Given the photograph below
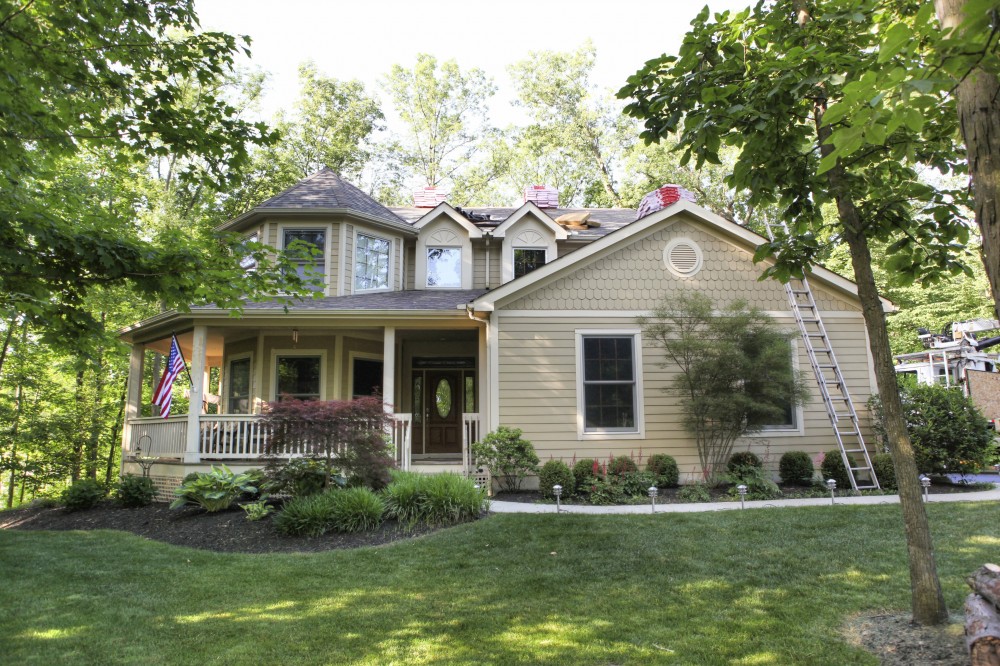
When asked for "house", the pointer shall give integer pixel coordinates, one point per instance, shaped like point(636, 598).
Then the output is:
point(468, 320)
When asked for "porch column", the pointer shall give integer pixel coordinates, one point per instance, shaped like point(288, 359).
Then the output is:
point(389, 367)
point(198, 349)
point(133, 398)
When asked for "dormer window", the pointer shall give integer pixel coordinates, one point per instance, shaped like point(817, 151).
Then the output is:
point(444, 267)
point(371, 263)
point(527, 259)
point(308, 266)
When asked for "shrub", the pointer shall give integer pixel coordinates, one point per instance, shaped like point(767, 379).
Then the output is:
point(300, 477)
point(135, 491)
point(403, 497)
point(796, 467)
point(309, 515)
point(583, 474)
point(556, 472)
point(885, 471)
point(833, 468)
point(257, 510)
point(213, 491)
point(635, 484)
point(508, 457)
point(694, 493)
point(742, 459)
point(356, 509)
point(621, 465)
point(83, 494)
point(435, 499)
point(607, 492)
point(664, 469)
point(759, 486)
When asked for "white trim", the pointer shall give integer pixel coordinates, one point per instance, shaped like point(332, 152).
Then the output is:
point(444, 210)
point(459, 241)
point(557, 230)
point(639, 396)
point(514, 240)
point(799, 428)
point(323, 376)
point(674, 270)
point(390, 263)
point(227, 378)
point(493, 352)
point(327, 228)
point(632, 314)
point(368, 356)
point(341, 255)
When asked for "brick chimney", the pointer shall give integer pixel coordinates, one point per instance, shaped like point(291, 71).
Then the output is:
point(542, 196)
point(661, 198)
point(429, 197)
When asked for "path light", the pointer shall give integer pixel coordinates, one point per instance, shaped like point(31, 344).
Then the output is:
point(925, 481)
point(832, 485)
point(653, 492)
point(742, 490)
point(557, 491)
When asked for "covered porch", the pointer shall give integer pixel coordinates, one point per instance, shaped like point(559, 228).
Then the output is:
point(431, 375)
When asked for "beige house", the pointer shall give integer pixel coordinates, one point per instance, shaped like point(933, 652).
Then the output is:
point(468, 320)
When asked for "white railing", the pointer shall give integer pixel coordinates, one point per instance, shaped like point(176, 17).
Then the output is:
point(402, 439)
point(157, 437)
point(470, 434)
point(235, 436)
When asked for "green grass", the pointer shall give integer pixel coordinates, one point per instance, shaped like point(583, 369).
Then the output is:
point(769, 586)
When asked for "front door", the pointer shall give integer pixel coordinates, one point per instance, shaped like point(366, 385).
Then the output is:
point(443, 411)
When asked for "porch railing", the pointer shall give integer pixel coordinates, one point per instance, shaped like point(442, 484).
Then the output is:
point(157, 437)
point(470, 434)
point(234, 436)
point(402, 439)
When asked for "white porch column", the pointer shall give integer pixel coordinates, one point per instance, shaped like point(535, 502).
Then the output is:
point(133, 398)
point(493, 371)
point(389, 367)
point(198, 349)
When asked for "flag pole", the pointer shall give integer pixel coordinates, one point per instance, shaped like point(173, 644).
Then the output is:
point(183, 360)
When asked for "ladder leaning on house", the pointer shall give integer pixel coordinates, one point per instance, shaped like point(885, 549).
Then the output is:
point(830, 379)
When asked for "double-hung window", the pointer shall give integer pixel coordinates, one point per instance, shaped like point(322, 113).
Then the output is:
point(238, 400)
point(778, 387)
point(310, 247)
point(609, 382)
point(371, 263)
point(298, 377)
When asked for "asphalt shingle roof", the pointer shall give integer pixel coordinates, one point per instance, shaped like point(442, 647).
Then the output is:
point(611, 219)
point(326, 190)
point(413, 299)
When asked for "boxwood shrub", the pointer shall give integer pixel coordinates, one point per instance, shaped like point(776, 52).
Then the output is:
point(556, 472)
point(833, 468)
point(796, 467)
point(83, 494)
point(664, 469)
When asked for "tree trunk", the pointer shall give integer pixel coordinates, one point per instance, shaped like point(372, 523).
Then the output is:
point(6, 340)
point(18, 403)
point(978, 100)
point(94, 439)
point(119, 422)
point(76, 463)
point(927, 600)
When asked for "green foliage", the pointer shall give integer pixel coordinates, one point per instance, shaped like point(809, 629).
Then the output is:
point(356, 509)
point(434, 499)
point(584, 472)
point(257, 510)
point(83, 494)
point(885, 471)
point(309, 515)
point(796, 467)
point(696, 492)
point(135, 491)
point(621, 465)
point(636, 483)
point(606, 491)
point(213, 491)
point(832, 467)
point(948, 432)
point(742, 459)
point(735, 371)
point(758, 483)
point(664, 470)
point(298, 477)
point(509, 458)
point(556, 472)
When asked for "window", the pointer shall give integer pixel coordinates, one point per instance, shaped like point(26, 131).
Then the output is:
point(444, 267)
point(371, 263)
point(609, 391)
point(527, 260)
point(248, 263)
point(311, 247)
point(298, 377)
point(789, 418)
point(238, 400)
point(367, 377)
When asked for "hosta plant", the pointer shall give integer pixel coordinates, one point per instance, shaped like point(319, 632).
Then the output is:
point(213, 491)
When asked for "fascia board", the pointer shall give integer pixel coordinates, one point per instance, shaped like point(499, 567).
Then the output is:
point(446, 210)
point(529, 207)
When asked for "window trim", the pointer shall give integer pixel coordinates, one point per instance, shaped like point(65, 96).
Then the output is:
point(639, 432)
point(323, 377)
point(443, 233)
point(354, 260)
point(227, 379)
point(461, 266)
point(368, 356)
point(515, 240)
point(328, 235)
point(798, 414)
point(513, 258)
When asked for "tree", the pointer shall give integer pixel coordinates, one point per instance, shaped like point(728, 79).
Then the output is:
point(108, 81)
point(762, 80)
point(446, 115)
point(735, 371)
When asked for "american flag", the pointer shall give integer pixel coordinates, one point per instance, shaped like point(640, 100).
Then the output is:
point(163, 394)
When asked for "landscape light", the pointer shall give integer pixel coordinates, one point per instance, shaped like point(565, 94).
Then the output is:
point(832, 485)
point(557, 491)
point(925, 481)
point(742, 490)
point(653, 492)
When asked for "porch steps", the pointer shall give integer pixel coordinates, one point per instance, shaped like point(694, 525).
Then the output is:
point(832, 387)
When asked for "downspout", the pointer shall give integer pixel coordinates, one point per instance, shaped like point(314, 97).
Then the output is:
point(488, 237)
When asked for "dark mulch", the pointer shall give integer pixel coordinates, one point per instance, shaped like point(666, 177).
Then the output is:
point(225, 531)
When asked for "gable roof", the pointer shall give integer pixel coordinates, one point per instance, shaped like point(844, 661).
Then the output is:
point(324, 192)
point(444, 209)
point(530, 208)
point(622, 236)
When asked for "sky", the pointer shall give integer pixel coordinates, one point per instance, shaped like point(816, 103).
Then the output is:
point(363, 39)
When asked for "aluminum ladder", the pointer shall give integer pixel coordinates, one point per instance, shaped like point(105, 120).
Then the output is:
point(830, 379)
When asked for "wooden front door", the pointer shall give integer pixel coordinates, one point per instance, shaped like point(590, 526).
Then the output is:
point(443, 411)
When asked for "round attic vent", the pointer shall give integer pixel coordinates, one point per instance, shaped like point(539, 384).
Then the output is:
point(682, 257)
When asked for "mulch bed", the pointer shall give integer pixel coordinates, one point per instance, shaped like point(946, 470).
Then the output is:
point(225, 531)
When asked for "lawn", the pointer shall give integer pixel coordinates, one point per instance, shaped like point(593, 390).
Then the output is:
point(754, 587)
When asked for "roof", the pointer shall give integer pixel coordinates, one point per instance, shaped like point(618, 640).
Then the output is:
point(322, 192)
point(611, 219)
point(411, 299)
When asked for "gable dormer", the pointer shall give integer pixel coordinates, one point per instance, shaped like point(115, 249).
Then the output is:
point(443, 257)
point(529, 241)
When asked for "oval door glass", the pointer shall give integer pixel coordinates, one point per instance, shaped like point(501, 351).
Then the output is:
point(442, 398)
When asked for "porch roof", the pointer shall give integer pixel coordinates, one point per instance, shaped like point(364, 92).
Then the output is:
point(411, 299)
